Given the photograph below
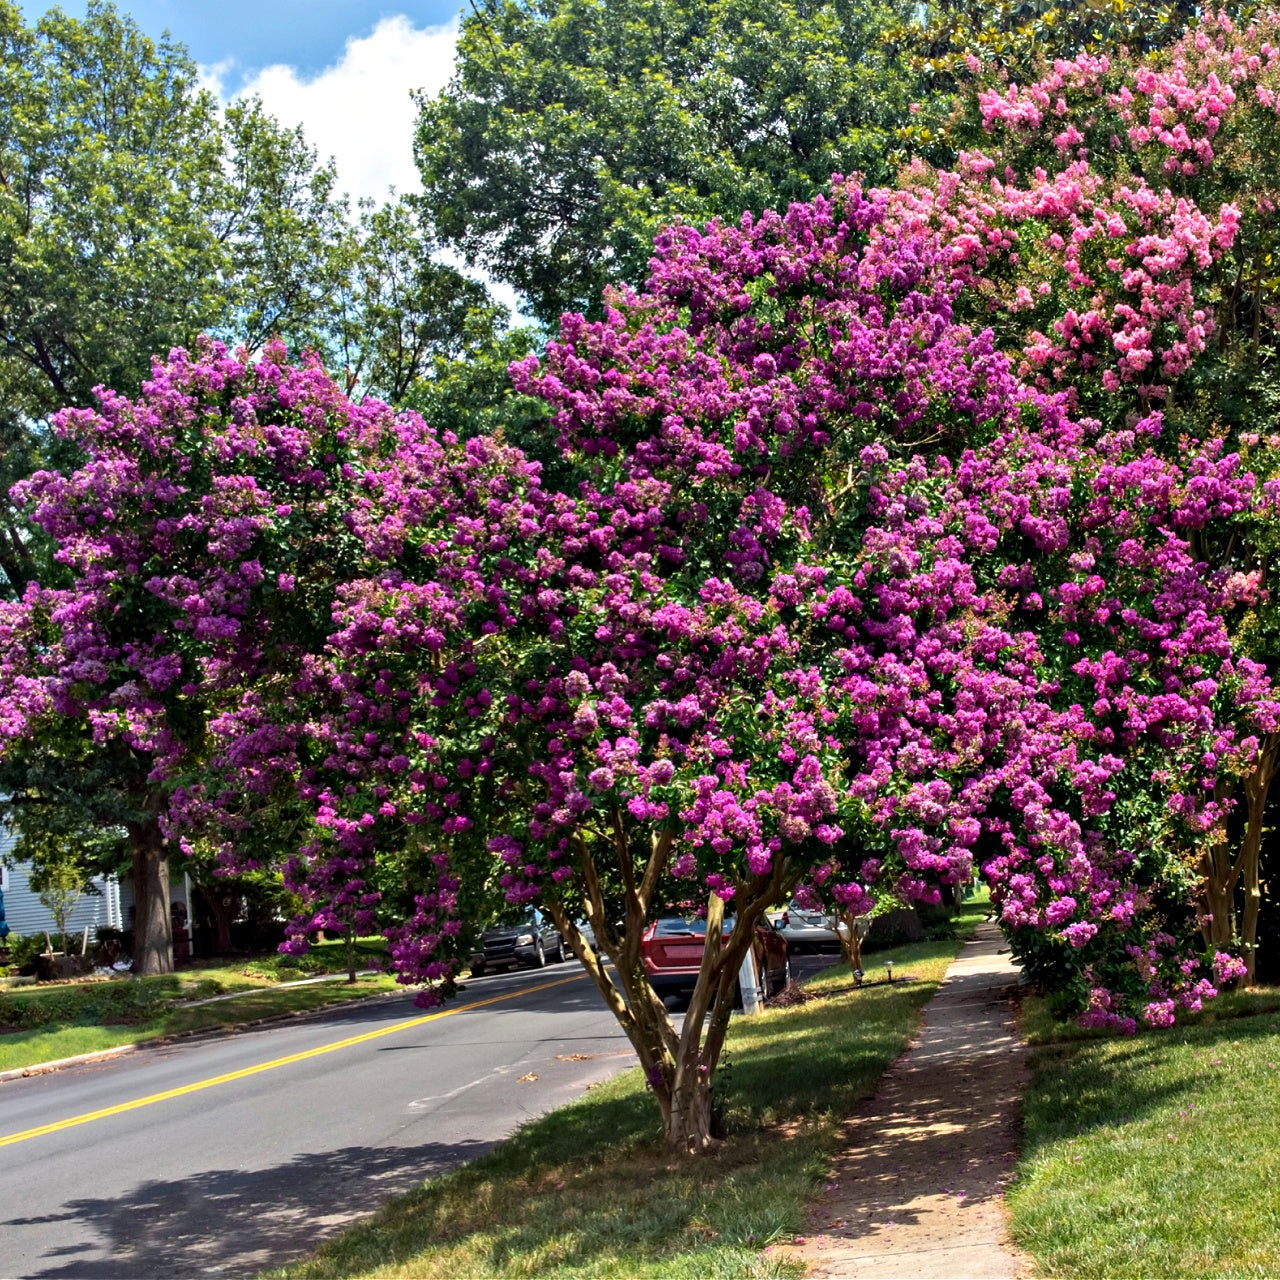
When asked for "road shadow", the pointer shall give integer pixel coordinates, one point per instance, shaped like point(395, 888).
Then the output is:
point(231, 1221)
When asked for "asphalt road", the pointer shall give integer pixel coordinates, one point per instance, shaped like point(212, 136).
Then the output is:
point(225, 1176)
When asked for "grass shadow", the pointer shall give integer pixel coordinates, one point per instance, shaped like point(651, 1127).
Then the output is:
point(1151, 1156)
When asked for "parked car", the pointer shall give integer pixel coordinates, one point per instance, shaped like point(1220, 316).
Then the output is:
point(805, 930)
point(672, 953)
point(533, 940)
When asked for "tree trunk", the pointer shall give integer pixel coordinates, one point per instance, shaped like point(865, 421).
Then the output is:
point(851, 945)
point(1222, 872)
point(223, 908)
point(687, 1116)
point(1257, 788)
point(153, 924)
point(1217, 924)
point(680, 1067)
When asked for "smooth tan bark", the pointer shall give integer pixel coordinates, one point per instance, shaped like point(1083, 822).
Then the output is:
point(680, 1067)
point(1225, 870)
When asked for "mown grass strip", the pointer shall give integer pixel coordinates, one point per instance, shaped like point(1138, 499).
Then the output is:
point(1155, 1155)
point(587, 1190)
point(81, 1033)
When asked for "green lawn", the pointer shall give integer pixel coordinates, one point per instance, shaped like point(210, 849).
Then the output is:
point(588, 1191)
point(1156, 1155)
point(49, 1022)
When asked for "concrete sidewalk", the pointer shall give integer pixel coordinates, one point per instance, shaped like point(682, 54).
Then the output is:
point(919, 1189)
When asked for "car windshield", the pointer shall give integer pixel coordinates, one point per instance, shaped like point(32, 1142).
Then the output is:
point(677, 926)
point(524, 919)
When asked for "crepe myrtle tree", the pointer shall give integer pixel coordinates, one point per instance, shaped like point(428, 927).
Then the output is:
point(843, 603)
point(202, 536)
point(1042, 575)
point(605, 687)
point(1115, 220)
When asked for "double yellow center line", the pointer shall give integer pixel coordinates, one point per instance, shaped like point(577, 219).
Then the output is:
point(121, 1107)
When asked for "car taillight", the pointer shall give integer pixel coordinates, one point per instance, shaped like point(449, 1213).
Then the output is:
point(786, 919)
point(647, 935)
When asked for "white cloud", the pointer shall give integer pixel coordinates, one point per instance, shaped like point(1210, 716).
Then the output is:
point(359, 111)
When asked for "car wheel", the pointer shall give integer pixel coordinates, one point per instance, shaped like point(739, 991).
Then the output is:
point(786, 973)
point(477, 970)
point(541, 960)
point(561, 954)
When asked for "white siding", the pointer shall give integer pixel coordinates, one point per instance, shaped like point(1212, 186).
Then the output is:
point(109, 908)
point(25, 914)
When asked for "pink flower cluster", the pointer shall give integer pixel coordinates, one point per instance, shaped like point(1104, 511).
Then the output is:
point(1084, 274)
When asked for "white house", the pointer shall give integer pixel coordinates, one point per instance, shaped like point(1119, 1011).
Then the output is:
point(27, 916)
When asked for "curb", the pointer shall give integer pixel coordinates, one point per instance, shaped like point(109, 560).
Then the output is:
point(206, 1033)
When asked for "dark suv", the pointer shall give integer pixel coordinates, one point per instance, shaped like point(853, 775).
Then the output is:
point(533, 940)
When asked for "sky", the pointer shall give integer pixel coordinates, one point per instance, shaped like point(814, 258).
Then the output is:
point(343, 69)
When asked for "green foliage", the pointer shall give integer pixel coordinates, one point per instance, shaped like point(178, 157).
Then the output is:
point(285, 244)
point(1020, 35)
point(403, 311)
point(63, 851)
point(110, 154)
point(60, 883)
point(23, 950)
point(66, 792)
point(573, 129)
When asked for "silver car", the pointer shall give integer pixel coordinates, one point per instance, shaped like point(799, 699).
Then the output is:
point(805, 930)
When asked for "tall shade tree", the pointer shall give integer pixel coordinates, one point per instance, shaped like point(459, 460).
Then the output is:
point(573, 129)
point(135, 214)
point(283, 231)
point(405, 315)
point(109, 160)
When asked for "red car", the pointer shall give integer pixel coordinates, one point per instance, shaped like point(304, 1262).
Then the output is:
point(672, 952)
